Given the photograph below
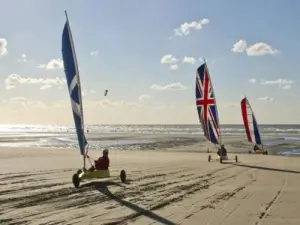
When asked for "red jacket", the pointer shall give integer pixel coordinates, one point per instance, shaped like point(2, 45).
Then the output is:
point(102, 163)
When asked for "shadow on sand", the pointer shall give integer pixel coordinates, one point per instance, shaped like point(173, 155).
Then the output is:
point(102, 186)
point(263, 168)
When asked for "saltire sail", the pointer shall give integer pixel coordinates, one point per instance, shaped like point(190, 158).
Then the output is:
point(250, 122)
point(206, 105)
point(73, 82)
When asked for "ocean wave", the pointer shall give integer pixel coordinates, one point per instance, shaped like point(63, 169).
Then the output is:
point(293, 152)
point(146, 129)
point(108, 135)
point(129, 136)
point(64, 139)
point(291, 138)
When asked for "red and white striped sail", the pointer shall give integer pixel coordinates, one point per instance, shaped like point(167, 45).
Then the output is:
point(250, 123)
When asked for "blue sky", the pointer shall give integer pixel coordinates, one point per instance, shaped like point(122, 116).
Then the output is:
point(131, 38)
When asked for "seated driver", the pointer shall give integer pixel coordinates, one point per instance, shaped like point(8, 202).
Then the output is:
point(102, 163)
point(255, 148)
point(222, 151)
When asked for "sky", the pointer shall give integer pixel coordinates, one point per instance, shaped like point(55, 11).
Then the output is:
point(146, 54)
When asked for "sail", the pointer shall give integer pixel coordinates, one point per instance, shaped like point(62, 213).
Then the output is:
point(206, 105)
point(73, 82)
point(250, 123)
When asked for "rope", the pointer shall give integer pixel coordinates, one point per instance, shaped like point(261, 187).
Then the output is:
point(89, 159)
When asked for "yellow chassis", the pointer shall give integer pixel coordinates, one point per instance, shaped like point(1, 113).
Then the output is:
point(96, 174)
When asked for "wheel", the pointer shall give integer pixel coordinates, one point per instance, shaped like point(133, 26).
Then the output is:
point(123, 176)
point(76, 180)
point(209, 158)
point(236, 158)
point(221, 159)
point(266, 152)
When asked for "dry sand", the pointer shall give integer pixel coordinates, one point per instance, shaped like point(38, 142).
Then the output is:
point(163, 188)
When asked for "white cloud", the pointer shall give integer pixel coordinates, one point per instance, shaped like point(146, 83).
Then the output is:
point(260, 49)
point(168, 59)
point(174, 67)
point(170, 112)
point(106, 103)
point(17, 99)
point(25, 103)
point(257, 49)
point(52, 64)
point(282, 83)
point(46, 86)
point(252, 80)
point(187, 27)
point(110, 103)
point(287, 86)
point(14, 79)
point(266, 98)
point(85, 92)
point(174, 86)
point(94, 53)
point(92, 104)
point(23, 58)
point(239, 46)
point(3, 44)
point(144, 97)
point(190, 60)
point(132, 104)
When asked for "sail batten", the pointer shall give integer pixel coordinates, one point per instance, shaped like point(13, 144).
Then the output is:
point(250, 122)
point(206, 105)
point(73, 83)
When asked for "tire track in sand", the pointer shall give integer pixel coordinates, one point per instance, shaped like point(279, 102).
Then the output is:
point(176, 195)
point(170, 187)
point(83, 196)
point(269, 206)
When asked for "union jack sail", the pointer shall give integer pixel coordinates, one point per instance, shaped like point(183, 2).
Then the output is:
point(206, 105)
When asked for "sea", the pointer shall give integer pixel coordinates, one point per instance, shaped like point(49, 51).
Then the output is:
point(138, 136)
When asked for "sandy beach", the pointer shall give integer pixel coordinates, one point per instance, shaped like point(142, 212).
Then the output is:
point(164, 187)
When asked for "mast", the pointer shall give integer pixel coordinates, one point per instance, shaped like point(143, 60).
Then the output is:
point(66, 15)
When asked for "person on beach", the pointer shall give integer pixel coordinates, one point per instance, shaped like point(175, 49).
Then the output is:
point(222, 151)
point(102, 163)
point(256, 148)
